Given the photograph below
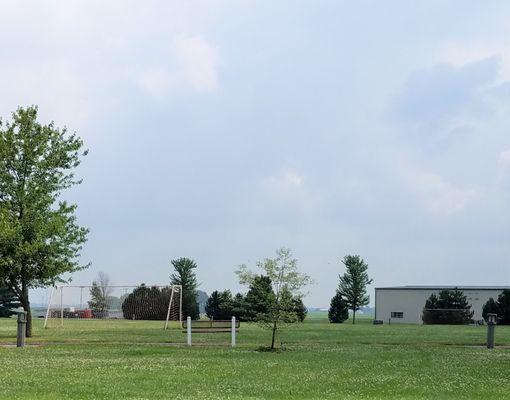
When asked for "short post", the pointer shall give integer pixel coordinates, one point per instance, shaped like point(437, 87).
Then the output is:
point(188, 326)
point(233, 331)
point(22, 327)
point(491, 327)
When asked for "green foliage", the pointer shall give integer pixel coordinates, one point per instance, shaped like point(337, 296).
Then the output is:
point(99, 295)
point(219, 305)
point(449, 307)
point(239, 307)
point(185, 276)
point(490, 307)
point(259, 299)
point(338, 310)
point(8, 302)
point(98, 302)
point(353, 283)
point(501, 307)
point(40, 239)
point(146, 303)
point(274, 308)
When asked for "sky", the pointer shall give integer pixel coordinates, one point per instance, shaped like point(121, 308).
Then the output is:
point(223, 130)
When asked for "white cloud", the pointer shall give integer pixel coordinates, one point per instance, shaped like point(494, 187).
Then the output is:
point(460, 53)
point(439, 196)
point(504, 159)
point(198, 60)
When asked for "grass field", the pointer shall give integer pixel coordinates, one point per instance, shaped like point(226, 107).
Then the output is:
point(138, 360)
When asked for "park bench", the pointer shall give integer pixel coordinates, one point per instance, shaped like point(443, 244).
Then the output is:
point(211, 326)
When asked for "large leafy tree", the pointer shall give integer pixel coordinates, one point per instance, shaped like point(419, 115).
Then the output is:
point(286, 283)
point(353, 283)
point(40, 239)
point(448, 307)
point(185, 276)
point(8, 302)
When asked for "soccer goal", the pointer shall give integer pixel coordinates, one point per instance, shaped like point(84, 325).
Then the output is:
point(95, 302)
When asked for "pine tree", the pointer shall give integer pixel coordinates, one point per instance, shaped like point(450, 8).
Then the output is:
point(8, 302)
point(219, 305)
point(353, 284)
point(185, 276)
point(449, 307)
point(338, 310)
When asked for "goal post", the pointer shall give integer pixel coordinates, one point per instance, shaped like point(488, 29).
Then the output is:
point(95, 302)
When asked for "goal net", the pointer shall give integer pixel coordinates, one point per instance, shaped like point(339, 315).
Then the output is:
point(95, 302)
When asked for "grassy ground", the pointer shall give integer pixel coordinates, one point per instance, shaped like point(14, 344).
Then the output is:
point(138, 360)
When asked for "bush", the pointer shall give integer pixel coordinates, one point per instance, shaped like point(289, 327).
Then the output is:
point(146, 303)
point(450, 307)
point(338, 310)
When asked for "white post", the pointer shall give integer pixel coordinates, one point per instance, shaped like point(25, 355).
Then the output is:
point(233, 331)
point(169, 307)
point(180, 304)
point(61, 305)
point(188, 325)
point(48, 309)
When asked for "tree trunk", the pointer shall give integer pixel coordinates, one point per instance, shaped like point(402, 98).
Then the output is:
point(25, 302)
point(274, 335)
point(354, 315)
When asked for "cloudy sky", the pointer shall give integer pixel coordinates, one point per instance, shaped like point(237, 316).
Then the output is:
point(222, 130)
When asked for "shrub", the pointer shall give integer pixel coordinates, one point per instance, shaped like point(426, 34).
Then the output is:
point(338, 310)
point(501, 307)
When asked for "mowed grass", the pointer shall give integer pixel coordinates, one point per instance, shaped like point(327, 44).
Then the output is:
point(138, 360)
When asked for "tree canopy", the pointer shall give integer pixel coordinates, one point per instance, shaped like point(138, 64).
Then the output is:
point(40, 239)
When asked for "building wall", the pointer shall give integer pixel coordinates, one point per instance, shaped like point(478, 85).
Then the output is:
point(410, 302)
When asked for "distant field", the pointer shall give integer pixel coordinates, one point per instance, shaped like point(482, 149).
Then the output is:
point(138, 360)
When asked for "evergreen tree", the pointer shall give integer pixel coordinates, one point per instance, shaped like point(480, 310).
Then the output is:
point(239, 307)
point(490, 307)
point(449, 307)
point(8, 302)
point(219, 305)
point(338, 310)
point(501, 307)
point(504, 307)
point(185, 276)
point(259, 298)
point(353, 284)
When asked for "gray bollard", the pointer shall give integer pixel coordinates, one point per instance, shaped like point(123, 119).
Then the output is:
point(491, 327)
point(22, 328)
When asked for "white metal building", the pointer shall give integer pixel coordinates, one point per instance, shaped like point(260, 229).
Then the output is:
point(404, 304)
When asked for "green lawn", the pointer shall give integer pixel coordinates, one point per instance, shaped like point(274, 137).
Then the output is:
point(138, 360)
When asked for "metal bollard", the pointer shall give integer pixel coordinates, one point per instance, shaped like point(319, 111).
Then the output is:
point(22, 327)
point(491, 327)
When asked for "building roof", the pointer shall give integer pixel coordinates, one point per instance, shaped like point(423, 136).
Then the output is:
point(446, 287)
